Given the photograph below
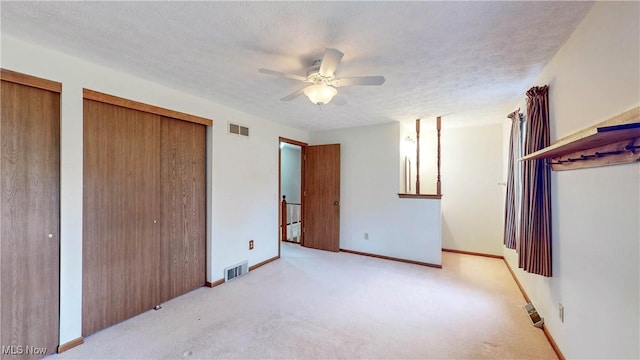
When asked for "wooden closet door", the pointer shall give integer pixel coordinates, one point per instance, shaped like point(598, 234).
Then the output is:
point(29, 218)
point(183, 194)
point(121, 221)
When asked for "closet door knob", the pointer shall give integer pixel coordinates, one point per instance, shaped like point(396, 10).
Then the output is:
point(50, 236)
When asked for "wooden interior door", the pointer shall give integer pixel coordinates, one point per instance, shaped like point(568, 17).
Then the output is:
point(183, 194)
point(121, 214)
point(29, 218)
point(322, 197)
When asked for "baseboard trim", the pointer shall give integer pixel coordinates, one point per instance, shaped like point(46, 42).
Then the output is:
point(253, 267)
point(70, 344)
point(215, 283)
point(473, 253)
point(515, 278)
point(550, 338)
point(391, 258)
point(553, 343)
point(291, 242)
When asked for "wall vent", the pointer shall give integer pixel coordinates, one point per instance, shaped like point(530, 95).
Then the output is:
point(534, 317)
point(234, 271)
point(236, 129)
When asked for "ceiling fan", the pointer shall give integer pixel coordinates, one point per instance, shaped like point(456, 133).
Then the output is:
point(322, 79)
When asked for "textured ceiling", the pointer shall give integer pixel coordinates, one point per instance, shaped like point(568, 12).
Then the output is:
point(470, 62)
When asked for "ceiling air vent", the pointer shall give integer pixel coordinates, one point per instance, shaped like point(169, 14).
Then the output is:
point(238, 129)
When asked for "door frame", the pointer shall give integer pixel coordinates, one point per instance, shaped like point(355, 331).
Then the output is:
point(303, 151)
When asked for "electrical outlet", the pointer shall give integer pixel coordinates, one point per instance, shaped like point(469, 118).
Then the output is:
point(250, 244)
point(366, 236)
point(561, 312)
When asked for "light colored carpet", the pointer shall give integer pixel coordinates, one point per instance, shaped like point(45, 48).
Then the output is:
point(314, 304)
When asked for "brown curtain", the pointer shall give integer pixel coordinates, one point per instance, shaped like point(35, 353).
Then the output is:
point(535, 225)
point(512, 202)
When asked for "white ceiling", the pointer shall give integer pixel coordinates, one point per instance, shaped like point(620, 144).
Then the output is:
point(469, 62)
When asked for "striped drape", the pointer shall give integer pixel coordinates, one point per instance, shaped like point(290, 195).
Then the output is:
point(512, 203)
point(535, 225)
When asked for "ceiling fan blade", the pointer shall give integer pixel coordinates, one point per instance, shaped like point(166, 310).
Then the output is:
point(287, 75)
point(360, 80)
point(330, 61)
point(294, 95)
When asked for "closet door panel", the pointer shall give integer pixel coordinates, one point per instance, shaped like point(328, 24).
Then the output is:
point(29, 218)
point(121, 230)
point(183, 194)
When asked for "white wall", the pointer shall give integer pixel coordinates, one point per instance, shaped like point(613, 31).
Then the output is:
point(245, 191)
point(291, 172)
point(244, 183)
point(472, 200)
point(401, 228)
point(595, 212)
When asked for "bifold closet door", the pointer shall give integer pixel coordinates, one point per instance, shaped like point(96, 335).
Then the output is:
point(144, 212)
point(183, 194)
point(30, 217)
point(121, 214)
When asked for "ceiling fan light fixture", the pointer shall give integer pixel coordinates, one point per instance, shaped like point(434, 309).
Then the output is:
point(322, 79)
point(320, 94)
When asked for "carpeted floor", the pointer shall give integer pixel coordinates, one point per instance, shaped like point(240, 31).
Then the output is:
point(314, 304)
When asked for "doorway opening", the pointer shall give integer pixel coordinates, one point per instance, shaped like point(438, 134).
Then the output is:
point(291, 191)
point(309, 179)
